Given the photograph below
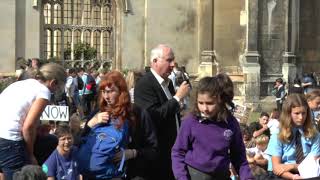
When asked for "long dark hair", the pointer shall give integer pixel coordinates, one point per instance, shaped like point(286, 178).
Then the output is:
point(220, 87)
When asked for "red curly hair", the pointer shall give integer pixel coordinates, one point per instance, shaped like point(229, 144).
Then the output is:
point(122, 107)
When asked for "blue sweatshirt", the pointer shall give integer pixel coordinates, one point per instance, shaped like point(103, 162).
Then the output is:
point(205, 146)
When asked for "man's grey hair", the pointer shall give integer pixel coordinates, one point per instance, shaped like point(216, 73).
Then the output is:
point(157, 52)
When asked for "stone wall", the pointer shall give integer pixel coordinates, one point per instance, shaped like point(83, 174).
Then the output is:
point(7, 36)
point(309, 39)
point(19, 32)
point(229, 35)
point(271, 42)
point(248, 43)
point(152, 22)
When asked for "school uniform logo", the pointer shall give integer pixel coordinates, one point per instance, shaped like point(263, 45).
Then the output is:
point(102, 136)
point(227, 134)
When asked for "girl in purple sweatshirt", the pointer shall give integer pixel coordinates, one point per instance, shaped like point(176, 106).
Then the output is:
point(210, 138)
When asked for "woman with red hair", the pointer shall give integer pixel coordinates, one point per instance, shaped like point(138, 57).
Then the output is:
point(106, 133)
point(114, 100)
point(114, 103)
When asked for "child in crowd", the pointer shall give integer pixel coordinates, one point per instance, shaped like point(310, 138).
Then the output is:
point(247, 136)
point(259, 156)
point(273, 123)
point(257, 171)
point(297, 138)
point(53, 126)
point(30, 172)
point(76, 131)
point(193, 157)
point(260, 127)
point(61, 163)
point(313, 99)
point(44, 144)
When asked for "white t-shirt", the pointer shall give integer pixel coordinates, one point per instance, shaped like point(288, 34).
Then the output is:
point(255, 151)
point(70, 84)
point(273, 125)
point(15, 102)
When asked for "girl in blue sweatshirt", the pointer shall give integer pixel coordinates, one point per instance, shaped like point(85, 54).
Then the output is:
point(210, 138)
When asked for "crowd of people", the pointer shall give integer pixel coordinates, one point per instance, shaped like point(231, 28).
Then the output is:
point(276, 144)
point(134, 128)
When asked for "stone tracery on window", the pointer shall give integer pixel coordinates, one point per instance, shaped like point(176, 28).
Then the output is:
point(67, 23)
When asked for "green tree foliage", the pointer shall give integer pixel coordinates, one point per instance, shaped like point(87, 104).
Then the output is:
point(79, 49)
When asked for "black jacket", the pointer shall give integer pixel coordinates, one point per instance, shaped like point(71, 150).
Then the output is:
point(143, 138)
point(148, 94)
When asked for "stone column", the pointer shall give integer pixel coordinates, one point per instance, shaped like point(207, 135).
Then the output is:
point(72, 47)
point(91, 38)
point(82, 55)
point(250, 59)
point(205, 35)
point(62, 48)
point(101, 46)
point(289, 69)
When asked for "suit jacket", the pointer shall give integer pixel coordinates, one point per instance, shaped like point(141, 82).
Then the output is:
point(148, 94)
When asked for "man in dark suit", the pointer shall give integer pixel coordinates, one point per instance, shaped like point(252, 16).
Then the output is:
point(155, 93)
point(280, 93)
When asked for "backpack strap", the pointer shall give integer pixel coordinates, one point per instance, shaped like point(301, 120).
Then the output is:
point(122, 160)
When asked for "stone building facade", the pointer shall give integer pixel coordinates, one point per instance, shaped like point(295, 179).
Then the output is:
point(254, 41)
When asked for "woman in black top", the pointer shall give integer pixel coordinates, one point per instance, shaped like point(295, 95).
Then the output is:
point(144, 141)
point(296, 88)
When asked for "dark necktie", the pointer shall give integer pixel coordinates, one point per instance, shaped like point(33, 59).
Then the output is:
point(299, 150)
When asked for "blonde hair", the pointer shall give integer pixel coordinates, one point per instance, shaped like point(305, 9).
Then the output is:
point(130, 80)
point(313, 95)
point(286, 123)
point(132, 77)
point(52, 71)
point(262, 139)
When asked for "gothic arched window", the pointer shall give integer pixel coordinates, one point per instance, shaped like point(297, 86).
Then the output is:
point(47, 44)
point(87, 37)
point(77, 12)
point(57, 14)
point(107, 45)
point(47, 13)
point(77, 37)
point(96, 15)
point(68, 23)
point(96, 42)
point(67, 12)
point(87, 12)
point(57, 43)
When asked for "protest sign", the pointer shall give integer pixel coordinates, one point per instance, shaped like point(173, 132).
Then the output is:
point(242, 113)
point(55, 113)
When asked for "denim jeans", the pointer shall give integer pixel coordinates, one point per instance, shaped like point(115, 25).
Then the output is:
point(12, 157)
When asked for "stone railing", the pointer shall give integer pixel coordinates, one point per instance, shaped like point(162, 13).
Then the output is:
point(92, 63)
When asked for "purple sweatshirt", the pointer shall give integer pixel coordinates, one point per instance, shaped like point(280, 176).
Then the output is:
point(205, 146)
